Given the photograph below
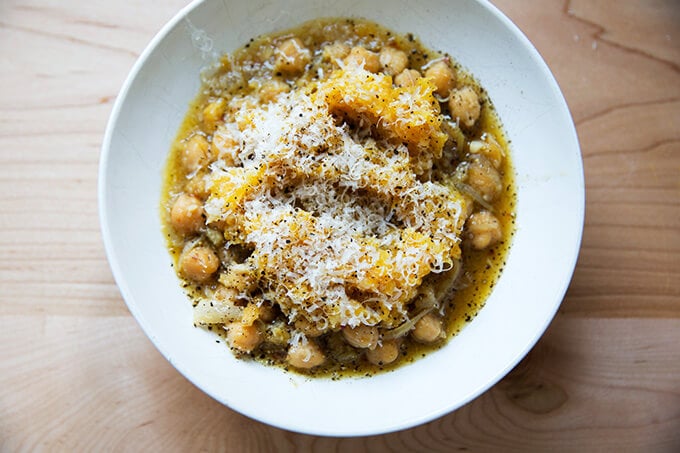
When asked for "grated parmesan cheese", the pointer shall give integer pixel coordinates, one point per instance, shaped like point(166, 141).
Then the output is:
point(342, 229)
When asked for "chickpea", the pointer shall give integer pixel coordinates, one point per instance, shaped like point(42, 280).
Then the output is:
point(225, 296)
point(443, 76)
point(464, 106)
point(271, 89)
point(199, 263)
point(291, 56)
point(406, 78)
point(483, 229)
point(196, 186)
point(186, 214)
point(213, 114)
point(196, 153)
point(223, 140)
point(484, 178)
point(239, 276)
point(305, 355)
point(428, 329)
point(384, 354)
point(308, 328)
point(362, 336)
point(242, 337)
point(256, 310)
point(363, 57)
point(336, 51)
point(393, 61)
point(489, 148)
point(225, 147)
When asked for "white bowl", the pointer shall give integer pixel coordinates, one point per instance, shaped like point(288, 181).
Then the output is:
point(549, 176)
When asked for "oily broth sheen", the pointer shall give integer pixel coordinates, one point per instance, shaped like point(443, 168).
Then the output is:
point(481, 268)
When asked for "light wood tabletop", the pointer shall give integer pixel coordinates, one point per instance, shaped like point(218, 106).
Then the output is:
point(78, 374)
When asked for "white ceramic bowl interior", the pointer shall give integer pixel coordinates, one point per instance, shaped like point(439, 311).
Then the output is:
point(546, 156)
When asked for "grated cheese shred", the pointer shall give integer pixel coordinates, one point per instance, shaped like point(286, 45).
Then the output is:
point(323, 184)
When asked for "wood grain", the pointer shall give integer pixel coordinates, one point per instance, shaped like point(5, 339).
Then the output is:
point(78, 374)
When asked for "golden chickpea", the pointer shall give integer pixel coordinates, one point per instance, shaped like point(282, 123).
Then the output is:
point(240, 276)
point(393, 61)
point(213, 114)
point(199, 263)
point(224, 146)
point(271, 89)
point(361, 336)
point(196, 186)
point(361, 56)
point(443, 76)
point(484, 178)
point(223, 140)
point(291, 56)
point(305, 355)
point(196, 153)
point(256, 309)
point(384, 354)
point(186, 214)
point(242, 337)
point(483, 230)
point(406, 78)
point(225, 296)
point(464, 106)
point(308, 328)
point(489, 148)
point(428, 329)
point(336, 51)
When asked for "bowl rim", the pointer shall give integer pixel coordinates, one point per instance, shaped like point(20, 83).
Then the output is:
point(126, 293)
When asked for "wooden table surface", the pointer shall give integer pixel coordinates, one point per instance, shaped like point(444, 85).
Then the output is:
point(78, 374)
